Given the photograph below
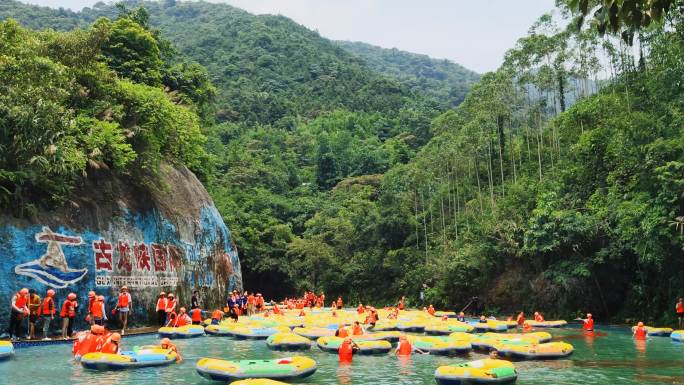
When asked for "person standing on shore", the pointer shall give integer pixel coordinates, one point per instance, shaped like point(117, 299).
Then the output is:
point(34, 308)
point(123, 306)
point(68, 314)
point(679, 309)
point(47, 312)
point(161, 309)
point(18, 310)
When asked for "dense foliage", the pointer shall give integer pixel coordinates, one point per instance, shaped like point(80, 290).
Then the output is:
point(444, 80)
point(65, 109)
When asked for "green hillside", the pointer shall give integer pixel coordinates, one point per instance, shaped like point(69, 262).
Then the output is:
point(444, 80)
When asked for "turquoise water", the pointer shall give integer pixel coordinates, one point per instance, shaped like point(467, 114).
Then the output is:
point(610, 359)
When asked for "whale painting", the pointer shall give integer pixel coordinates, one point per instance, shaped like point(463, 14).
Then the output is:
point(52, 269)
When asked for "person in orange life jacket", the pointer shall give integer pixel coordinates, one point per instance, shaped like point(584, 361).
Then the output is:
point(357, 330)
point(161, 309)
point(341, 331)
point(92, 297)
point(251, 304)
point(217, 316)
point(431, 310)
point(47, 312)
point(445, 317)
point(123, 306)
point(460, 317)
point(520, 319)
point(68, 313)
point(111, 346)
point(679, 310)
point(166, 344)
point(587, 323)
point(233, 313)
point(538, 317)
point(182, 319)
point(339, 303)
point(405, 348)
point(401, 304)
point(640, 332)
point(346, 350)
point(18, 310)
point(276, 309)
point(89, 342)
point(170, 306)
point(34, 312)
point(98, 313)
point(360, 309)
point(196, 316)
point(170, 319)
point(302, 313)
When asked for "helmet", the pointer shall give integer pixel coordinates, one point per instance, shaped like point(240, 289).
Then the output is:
point(162, 294)
point(50, 293)
point(165, 341)
point(23, 291)
point(402, 337)
point(97, 329)
point(588, 315)
point(640, 323)
point(124, 288)
point(116, 337)
point(71, 296)
point(91, 294)
point(182, 310)
point(171, 295)
point(100, 298)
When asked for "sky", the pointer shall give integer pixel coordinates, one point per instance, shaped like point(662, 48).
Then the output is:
point(473, 33)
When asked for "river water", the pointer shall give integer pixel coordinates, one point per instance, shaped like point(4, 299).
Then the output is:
point(611, 357)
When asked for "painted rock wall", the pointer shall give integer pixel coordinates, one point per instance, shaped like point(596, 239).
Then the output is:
point(168, 237)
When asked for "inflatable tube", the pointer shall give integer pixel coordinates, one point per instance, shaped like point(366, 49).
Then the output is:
point(279, 368)
point(410, 327)
point(257, 333)
point(187, 331)
point(6, 350)
point(449, 314)
point(485, 371)
point(440, 345)
point(258, 381)
point(288, 341)
point(448, 328)
point(219, 330)
point(658, 332)
point(550, 350)
point(547, 324)
point(490, 326)
point(332, 345)
point(128, 360)
point(487, 341)
point(385, 325)
point(313, 332)
point(392, 336)
point(677, 335)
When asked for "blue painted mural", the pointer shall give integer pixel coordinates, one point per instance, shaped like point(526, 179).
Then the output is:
point(146, 251)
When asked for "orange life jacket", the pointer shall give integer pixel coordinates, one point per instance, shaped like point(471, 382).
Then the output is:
point(401, 305)
point(21, 301)
point(123, 300)
point(539, 318)
point(431, 310)
point(521, 319)
point(196, 315)
point(181, 320)
point(110, 347)
point(96, 309)
point(588, 324)
point(680, 307)
point(68, 309)
point(48, 306)
point(345, 352)
point(161, 304)
point(170, 305)
point(342, 333)
point(640, 333)
point(87, 343)
point(339, 303)
point(360, 310)
point(217, 314)
point(405, 348)
point(357, 330)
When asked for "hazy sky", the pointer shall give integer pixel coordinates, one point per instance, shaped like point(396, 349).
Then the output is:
point(474, 33)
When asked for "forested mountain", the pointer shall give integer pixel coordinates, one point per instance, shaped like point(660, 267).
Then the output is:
point(442, 79)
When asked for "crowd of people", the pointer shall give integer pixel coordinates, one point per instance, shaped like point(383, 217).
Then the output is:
point(28, 305)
